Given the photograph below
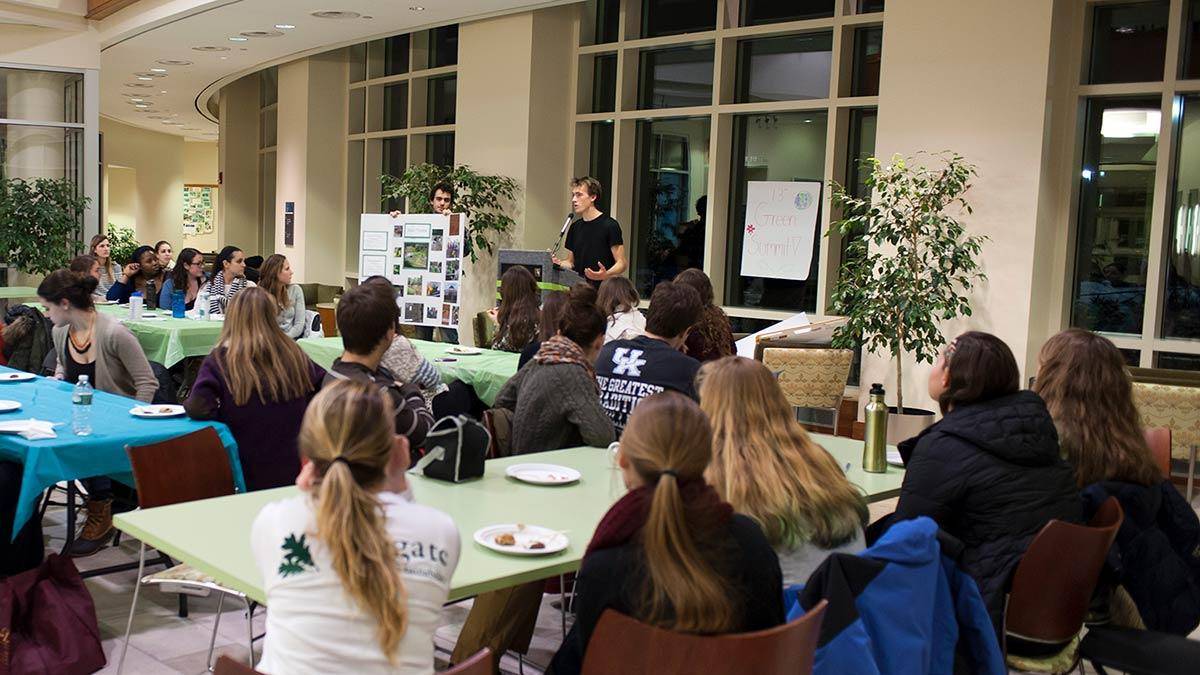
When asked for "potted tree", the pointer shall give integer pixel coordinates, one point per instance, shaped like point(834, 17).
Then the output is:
point(40, 223)
point(909, 264)
point(481, 197)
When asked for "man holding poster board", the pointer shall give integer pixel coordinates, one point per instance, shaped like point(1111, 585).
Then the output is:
point(441, 201)
point(781, 224)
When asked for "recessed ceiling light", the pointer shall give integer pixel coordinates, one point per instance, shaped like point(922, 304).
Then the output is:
point(158, 70)
point(174, 62)
point(154, 117)
point(210, 48)
point(150, 74)
point(223, 58)
point(335, 14)
point(136, 100)
point(190, 129)
point(163, 91)
point(260, 33)
point(141, 105)
point(284, 26)
point(139, 85)
point(416, 8)
point(146, 79)
point(238, 38)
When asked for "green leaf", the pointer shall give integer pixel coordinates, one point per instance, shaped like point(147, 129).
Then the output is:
point(41, 223)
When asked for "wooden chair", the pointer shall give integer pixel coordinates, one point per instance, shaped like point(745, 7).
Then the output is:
point(1159, 441)
point(183, 469)
point(228, 666)
point(479, 664)
point(621, 644)
point(1052, 588)
point(811, 378)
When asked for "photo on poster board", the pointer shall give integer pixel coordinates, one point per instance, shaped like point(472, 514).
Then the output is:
point(416, 255)
point(454, 315)
point(414, 286)
point(397, 270)
point(435, 266)
point(453, 249)
point(435, 241)
point(398, 230)
point(431, 313)
point(452, 270)
point(455, 224)
point(445, 315)
point(450, 292)
point(374, 241)
point(414, 312)
point(781, 226)
point(433, 289)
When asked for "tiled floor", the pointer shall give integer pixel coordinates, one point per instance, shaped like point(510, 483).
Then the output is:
point(164, 643)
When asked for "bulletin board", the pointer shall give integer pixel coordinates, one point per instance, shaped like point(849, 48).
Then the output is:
point(422, 255)
point(199, 209)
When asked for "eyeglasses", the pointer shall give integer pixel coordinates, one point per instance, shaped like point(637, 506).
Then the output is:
point(196, 263)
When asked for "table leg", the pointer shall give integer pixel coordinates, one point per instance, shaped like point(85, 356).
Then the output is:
point(70, 538)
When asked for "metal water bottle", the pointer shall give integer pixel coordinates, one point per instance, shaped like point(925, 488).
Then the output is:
point(875, 433)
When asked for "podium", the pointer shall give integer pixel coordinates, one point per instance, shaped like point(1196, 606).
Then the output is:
point(549, 277)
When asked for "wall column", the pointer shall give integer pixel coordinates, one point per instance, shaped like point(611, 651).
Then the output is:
point(237, 203)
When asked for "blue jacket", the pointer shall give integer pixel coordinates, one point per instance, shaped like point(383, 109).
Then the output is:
point(1156, 555)
point(899, 607)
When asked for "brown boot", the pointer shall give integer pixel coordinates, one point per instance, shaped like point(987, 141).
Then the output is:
point(97, 529)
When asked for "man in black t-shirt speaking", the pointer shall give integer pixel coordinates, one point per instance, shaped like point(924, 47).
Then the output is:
point(595, 247)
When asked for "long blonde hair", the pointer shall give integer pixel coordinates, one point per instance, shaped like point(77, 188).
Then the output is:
point(668, 441)
point(1082, 379)
point(766, 465)
point(269, 279)
point(258, 357)
point(347, 436)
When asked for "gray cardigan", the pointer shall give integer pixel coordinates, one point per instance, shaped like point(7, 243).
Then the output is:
point(554, 406)
point(292, 317)
point(121, 365)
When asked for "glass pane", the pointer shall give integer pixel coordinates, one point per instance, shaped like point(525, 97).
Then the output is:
point(1115, 203)
point(861, 146)
point(268, 129)
point(354, 195)
point(443, 46)
point(395, 151)
point(676, 77)
point(772, 11)
point(1190, 68)
point(1181, 315)
point(1129, 42)
point(1176, 361)
point(783, 147)
point(604, 83)
point(868, 48)
point(41, 96)
point(600, 161)
point(747, 325)
point(439, 149)
point(357, 58)
point(672, 175)
point(395, 106)
point(672, 17)
point(268, 87)
point(1132, 357)
point(608, 20)
point(375, 60)
point(358, 110)
point(395, 55)
point(40, 152)
point(442, 97)
point(868, 6)
point(785, 68)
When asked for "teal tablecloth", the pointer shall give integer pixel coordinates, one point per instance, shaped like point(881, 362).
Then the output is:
point(70, 457)
point(168, 341)
point(485, 372)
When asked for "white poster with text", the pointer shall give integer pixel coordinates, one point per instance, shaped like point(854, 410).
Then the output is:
point(781, 223)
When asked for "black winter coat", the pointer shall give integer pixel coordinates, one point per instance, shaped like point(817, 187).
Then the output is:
point(1156, 556)
point(990, 474)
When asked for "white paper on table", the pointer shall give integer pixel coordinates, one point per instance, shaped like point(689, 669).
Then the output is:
point(30, 429)
point(745, 346)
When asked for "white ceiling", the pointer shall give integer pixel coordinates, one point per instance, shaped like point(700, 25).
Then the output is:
point(177, 98)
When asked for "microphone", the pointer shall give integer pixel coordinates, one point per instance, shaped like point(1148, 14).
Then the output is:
point(562, 232)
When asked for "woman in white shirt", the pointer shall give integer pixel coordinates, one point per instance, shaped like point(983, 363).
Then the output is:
point(354, 572)
point(618, 299)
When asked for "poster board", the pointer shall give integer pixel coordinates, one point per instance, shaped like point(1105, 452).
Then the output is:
point(781, 224)
point(199, 209)
point(422, 255)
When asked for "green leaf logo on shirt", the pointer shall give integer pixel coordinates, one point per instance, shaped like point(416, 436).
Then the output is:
point(296, 556)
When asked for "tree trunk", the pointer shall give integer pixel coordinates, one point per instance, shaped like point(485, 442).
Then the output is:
point(899, 383)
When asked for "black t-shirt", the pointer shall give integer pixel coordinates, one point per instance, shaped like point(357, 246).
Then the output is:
point(591, 242)
point(630, 370)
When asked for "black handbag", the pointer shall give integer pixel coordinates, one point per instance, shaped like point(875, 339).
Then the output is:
point(455, 449)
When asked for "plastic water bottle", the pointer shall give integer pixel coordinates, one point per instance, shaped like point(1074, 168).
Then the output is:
point(178, 304)
point(135, 305)
point(81, 407)
point(202, 305)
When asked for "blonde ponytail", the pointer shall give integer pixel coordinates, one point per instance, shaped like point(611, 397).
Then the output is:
point(668, 440)
point(347, 434)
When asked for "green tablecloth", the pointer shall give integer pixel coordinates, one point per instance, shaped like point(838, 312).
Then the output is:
point(213, 535)
point(168, 341)
point(486, 372)
point(18, 293)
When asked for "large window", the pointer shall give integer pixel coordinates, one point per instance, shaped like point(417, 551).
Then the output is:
point(1134, 273)
point(785, 68)
point(678, 77)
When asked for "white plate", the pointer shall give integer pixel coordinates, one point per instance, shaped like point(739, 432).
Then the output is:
point(464, 351)
point(524, 536)
point(156, 411)
point(104, 302)
point(9, 406)
point(16, 377)
point(543, 474)
point(893, 458)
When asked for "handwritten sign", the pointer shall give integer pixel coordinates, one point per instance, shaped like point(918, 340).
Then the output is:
point(781, 222)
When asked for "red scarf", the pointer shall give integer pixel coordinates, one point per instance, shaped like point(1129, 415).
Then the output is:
point(559, 349)
point(626, 518)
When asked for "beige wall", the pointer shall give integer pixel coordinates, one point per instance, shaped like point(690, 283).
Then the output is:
point(995, 114)
point(157, 160)
point(200, 168)
point(238, 164)
point(120, 196)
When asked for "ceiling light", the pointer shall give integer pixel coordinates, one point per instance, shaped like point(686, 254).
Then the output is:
point(163, 91)
point(1130, 123)
point(174, 62)
point(158, 70)
point(260, 33)
point(150, 75)
point(284, 26)
point(335, 14)
point(238, 38)
point(146, 79)
point(139, 85)
point(210, 48)
point(416, 8)
point(141, 105)
point(136, 100)
point(224, 58)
